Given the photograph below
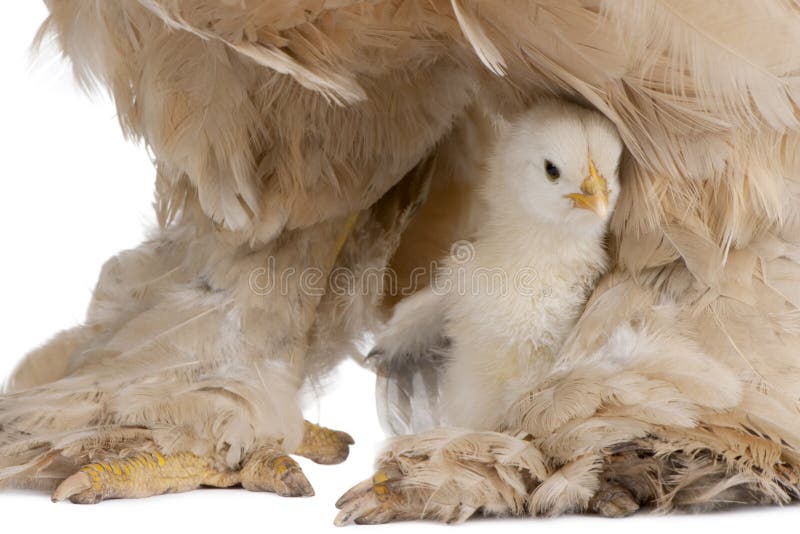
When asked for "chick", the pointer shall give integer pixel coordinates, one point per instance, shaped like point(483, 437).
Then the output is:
point(504, 302)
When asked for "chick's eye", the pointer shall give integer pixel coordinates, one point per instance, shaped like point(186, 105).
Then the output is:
point(553, 172)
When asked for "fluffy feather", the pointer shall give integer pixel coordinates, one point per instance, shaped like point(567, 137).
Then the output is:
point(254, 162)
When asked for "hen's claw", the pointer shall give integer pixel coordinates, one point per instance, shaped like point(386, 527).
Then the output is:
point(323, 445)
point(373, 501)
point(270, 469)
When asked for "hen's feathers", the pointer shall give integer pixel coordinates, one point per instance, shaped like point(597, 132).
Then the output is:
point(704, 94)
point(409, 359)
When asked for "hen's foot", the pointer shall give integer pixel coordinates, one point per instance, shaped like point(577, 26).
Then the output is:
point(446, 475)
point(267, 468)
point(270, 469)
point(141, 475)
point(376, 500)
point(323, 445)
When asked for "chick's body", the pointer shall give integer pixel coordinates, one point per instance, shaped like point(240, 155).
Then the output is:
point(505, 301)
point(504, 338)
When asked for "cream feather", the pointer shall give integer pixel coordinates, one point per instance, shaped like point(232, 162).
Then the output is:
point(254, 161)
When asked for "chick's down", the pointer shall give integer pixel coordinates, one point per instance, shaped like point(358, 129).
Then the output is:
point(503, 302)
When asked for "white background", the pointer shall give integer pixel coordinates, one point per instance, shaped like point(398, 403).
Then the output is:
point(73, 194)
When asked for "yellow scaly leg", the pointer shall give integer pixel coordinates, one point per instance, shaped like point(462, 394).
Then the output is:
point(141, 475)
point(266, 468)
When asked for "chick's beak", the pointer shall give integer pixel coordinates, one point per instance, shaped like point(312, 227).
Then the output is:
point(594, 193)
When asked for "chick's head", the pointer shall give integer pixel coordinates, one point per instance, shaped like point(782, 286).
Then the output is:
point(557, 164)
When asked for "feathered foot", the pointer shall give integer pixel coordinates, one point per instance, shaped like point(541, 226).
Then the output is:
point(140, 475)
point(379, 499)
point(323, 445)
point(446, 475)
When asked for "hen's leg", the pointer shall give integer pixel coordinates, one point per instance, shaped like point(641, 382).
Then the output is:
point(447, 475)
point(197, 345)
point(141, 475)
point(267, 468)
